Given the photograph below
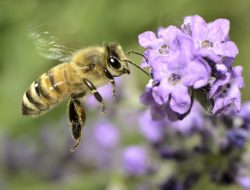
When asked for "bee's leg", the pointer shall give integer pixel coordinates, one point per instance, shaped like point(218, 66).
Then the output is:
point(93, 90)
point(110, 76)
point(77, 120)
point(78, 95)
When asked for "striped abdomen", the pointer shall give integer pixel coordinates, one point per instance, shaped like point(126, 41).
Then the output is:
point(49, 89)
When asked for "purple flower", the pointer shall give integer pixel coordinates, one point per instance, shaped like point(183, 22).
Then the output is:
point(226, 91)
point(152, 130)
point(158, 112)
point(244, 115)
point(176, 73)
point(135, 161)
point(197, 57)
point(106, 135)
point(238, 137)
point(191, 123)
point(210, 39)
point(245, 111)
point(244, 182)
point(95, 151)
point(157, 46)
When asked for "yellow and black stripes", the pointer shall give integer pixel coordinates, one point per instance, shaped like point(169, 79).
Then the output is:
point(33, 100)
point(41, 92)
point(47, 91)
point(53, 83)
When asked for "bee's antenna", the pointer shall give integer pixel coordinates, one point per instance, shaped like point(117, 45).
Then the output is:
point(130, 62)
point(137, 53)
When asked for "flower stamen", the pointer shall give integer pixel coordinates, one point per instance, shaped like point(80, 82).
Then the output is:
point(207, 44)
point(174, 79)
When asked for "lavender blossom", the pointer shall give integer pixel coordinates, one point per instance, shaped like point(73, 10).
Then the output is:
point(226, 91)
point(135, 160)
point(106, 135)
point(217, 150)
point(210, 39)
point(152, 130)
point(244, 182)
point(158, 112)
point(191, 123)
point(244, 115)
point(196, 57)
point(238, 137)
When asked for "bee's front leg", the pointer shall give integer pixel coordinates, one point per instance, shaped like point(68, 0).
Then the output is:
point(94, 91)
point(77, 118)
point(111, 78)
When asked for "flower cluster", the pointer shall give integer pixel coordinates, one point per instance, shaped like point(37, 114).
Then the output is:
point(195, 59)
point(201, 147)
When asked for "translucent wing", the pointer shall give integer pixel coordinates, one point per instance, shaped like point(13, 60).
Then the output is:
point(49, 46)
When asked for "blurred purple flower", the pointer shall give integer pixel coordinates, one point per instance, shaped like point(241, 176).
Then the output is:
point(238, 137)
point(152, 130)
point(135, 160)
point(106, 135)
point(245, 110)
point(94, 152)
point(244, 182)
point(244, 115)
point(191, 123)
point(19, 154)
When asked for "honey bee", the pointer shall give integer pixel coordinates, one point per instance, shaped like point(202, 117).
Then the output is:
point(81, 74)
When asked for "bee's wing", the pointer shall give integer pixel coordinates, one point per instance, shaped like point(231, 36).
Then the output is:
point(49, 46)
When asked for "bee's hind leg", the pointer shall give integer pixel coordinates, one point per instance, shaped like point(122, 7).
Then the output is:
point(77, 118)
point(94, 91)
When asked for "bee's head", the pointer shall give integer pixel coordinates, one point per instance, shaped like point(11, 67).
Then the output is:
point(115, 60)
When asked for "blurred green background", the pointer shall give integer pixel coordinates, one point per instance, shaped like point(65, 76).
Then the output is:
point(89, 22)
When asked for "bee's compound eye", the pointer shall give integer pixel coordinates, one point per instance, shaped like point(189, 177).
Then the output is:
point(114, 62)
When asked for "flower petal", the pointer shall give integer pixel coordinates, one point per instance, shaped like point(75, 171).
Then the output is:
point(199, 28)
point(147, 39)
point(224, 103)
point(217, 84)
point(180, 100)
point(228, 49)
point(237, 74)
point(208, 53)
point(197, 74)
point(218, 30)
point(158, 112)
point(147, 98)
point(161, 93)
point(168, 33)
point(151, 129)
